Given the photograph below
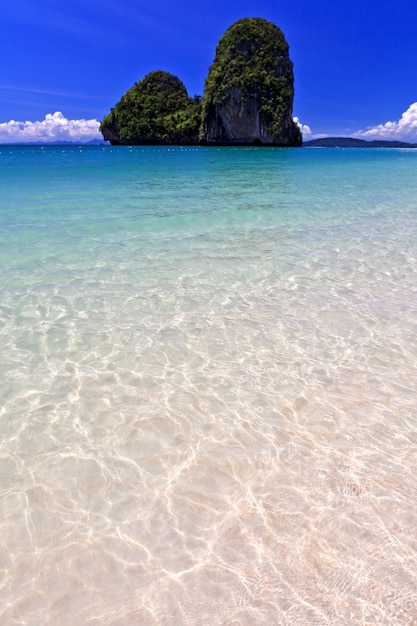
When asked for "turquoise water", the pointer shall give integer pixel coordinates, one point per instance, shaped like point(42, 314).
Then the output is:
point(208, 399)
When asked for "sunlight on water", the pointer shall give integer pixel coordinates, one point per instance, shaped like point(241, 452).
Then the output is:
point(208, 400)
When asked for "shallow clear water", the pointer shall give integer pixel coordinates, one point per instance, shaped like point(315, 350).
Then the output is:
point(208, 392)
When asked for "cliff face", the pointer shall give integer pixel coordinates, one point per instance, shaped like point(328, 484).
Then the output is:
point(250, 88)
point(235, 120)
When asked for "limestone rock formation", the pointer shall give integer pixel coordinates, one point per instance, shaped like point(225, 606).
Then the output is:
point(248, 97)
point(157, 109)
point(250, 88)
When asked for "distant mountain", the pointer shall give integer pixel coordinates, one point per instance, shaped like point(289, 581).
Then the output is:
point(352, 142)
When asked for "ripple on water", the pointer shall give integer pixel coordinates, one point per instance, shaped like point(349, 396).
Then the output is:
point(212, 425)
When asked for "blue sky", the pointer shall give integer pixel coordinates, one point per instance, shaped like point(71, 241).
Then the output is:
point(65, 63)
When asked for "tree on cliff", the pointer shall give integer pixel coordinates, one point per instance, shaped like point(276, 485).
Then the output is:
point(250, 88)
point(157, 109)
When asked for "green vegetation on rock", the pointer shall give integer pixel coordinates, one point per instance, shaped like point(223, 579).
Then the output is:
point(157, 109)
point(250, 87)
point(248, 97)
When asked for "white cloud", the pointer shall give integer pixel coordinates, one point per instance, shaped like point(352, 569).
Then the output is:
point(405, 129)
point(305, 130)
point(55, 127)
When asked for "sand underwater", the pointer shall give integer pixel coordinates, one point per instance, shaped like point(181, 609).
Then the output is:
point(208, 396)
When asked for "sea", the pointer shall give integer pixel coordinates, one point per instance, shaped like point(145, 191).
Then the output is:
point(208, 386)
